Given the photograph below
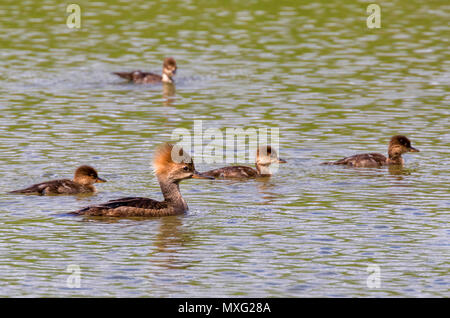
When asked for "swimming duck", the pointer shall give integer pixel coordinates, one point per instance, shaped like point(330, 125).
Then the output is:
point(83, 182)
point(138, 77)
point(171, 165)
point(397, 146)
point(265, 156)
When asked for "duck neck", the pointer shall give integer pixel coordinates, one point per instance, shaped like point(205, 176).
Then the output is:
point(395, 158)
point(166, 78)
point(172, 194)
point(263, 170)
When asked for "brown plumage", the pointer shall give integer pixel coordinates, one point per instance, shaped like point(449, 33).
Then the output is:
point(139, 77)
point(265, 156)
point(171, 165)
point(83, 182)
point(398, 145)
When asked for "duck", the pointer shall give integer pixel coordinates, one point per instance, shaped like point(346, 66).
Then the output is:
point(398, 145)
point(171, 166)
point(139, 77)
point(82, 183)
point(265, 156)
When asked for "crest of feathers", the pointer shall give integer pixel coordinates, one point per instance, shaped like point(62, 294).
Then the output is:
point(264, 151)
point(168, 155)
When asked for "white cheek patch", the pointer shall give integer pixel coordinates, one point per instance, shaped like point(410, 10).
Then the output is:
point(166, 78)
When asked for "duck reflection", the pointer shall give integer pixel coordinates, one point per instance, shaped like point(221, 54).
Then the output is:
point(266, 187)
point(170, 238)
point(168, 93)
point(399, 171)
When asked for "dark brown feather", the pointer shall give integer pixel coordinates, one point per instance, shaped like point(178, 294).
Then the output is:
point(232, 172)
point(130, 207)
point(367, 160)
point(63, 186)
point(140, 77)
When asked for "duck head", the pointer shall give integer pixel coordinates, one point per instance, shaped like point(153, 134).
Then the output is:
point(266, 156)
point(399, 145)
point(172, 165)
point(169, 69)
point(86, 175)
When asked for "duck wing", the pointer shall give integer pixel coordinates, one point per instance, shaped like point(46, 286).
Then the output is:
point(129, 206)
point(63, 186)
point(366, 160)
point(140, 77)
point(232, 172)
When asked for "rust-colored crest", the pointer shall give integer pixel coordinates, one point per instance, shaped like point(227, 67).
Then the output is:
point(168, 155)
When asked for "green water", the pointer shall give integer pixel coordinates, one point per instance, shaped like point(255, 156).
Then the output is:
point(314, 70)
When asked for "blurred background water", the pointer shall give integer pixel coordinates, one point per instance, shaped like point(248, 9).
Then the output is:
point(314, 70)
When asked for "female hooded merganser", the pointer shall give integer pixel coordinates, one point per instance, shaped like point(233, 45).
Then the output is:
point(169, 70)
point(83, 182)
point(265, 156)
point(397, 146)
point(171, 165)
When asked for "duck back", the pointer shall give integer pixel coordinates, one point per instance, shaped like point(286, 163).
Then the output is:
point(54, 187)
point(366, 160)
point(232, 172)
point(130, 207)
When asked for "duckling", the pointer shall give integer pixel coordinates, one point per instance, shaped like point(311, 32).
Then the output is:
point(397, 146)
point(82, 183)
point(171, 165)
point(138, 77)
point(265, 156)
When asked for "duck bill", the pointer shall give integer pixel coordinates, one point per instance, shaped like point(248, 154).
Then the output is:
point(412, 149)
point(198, 175)
point(100, 180)
point(281, 160)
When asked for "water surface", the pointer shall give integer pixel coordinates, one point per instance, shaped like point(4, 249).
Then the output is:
point(314, 70)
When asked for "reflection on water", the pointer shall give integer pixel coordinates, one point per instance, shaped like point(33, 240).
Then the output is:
point(168, 93)
point(399, 171)
point(333, 88)
point(170, 238)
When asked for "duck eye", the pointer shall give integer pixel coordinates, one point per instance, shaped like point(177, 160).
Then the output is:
point(185, 168)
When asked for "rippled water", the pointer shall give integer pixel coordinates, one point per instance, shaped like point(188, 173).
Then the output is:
point(332, 86)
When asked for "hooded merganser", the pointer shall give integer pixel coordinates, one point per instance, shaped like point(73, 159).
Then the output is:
point(397, 146)
point(169, 70)
point(265, 156)
point(169, 173)
point(83, 182)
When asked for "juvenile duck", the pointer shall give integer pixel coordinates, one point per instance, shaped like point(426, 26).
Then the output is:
point(138, 77)
point(83, 182)
point(265, 156)
point(171, 165)
point(397, 146)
